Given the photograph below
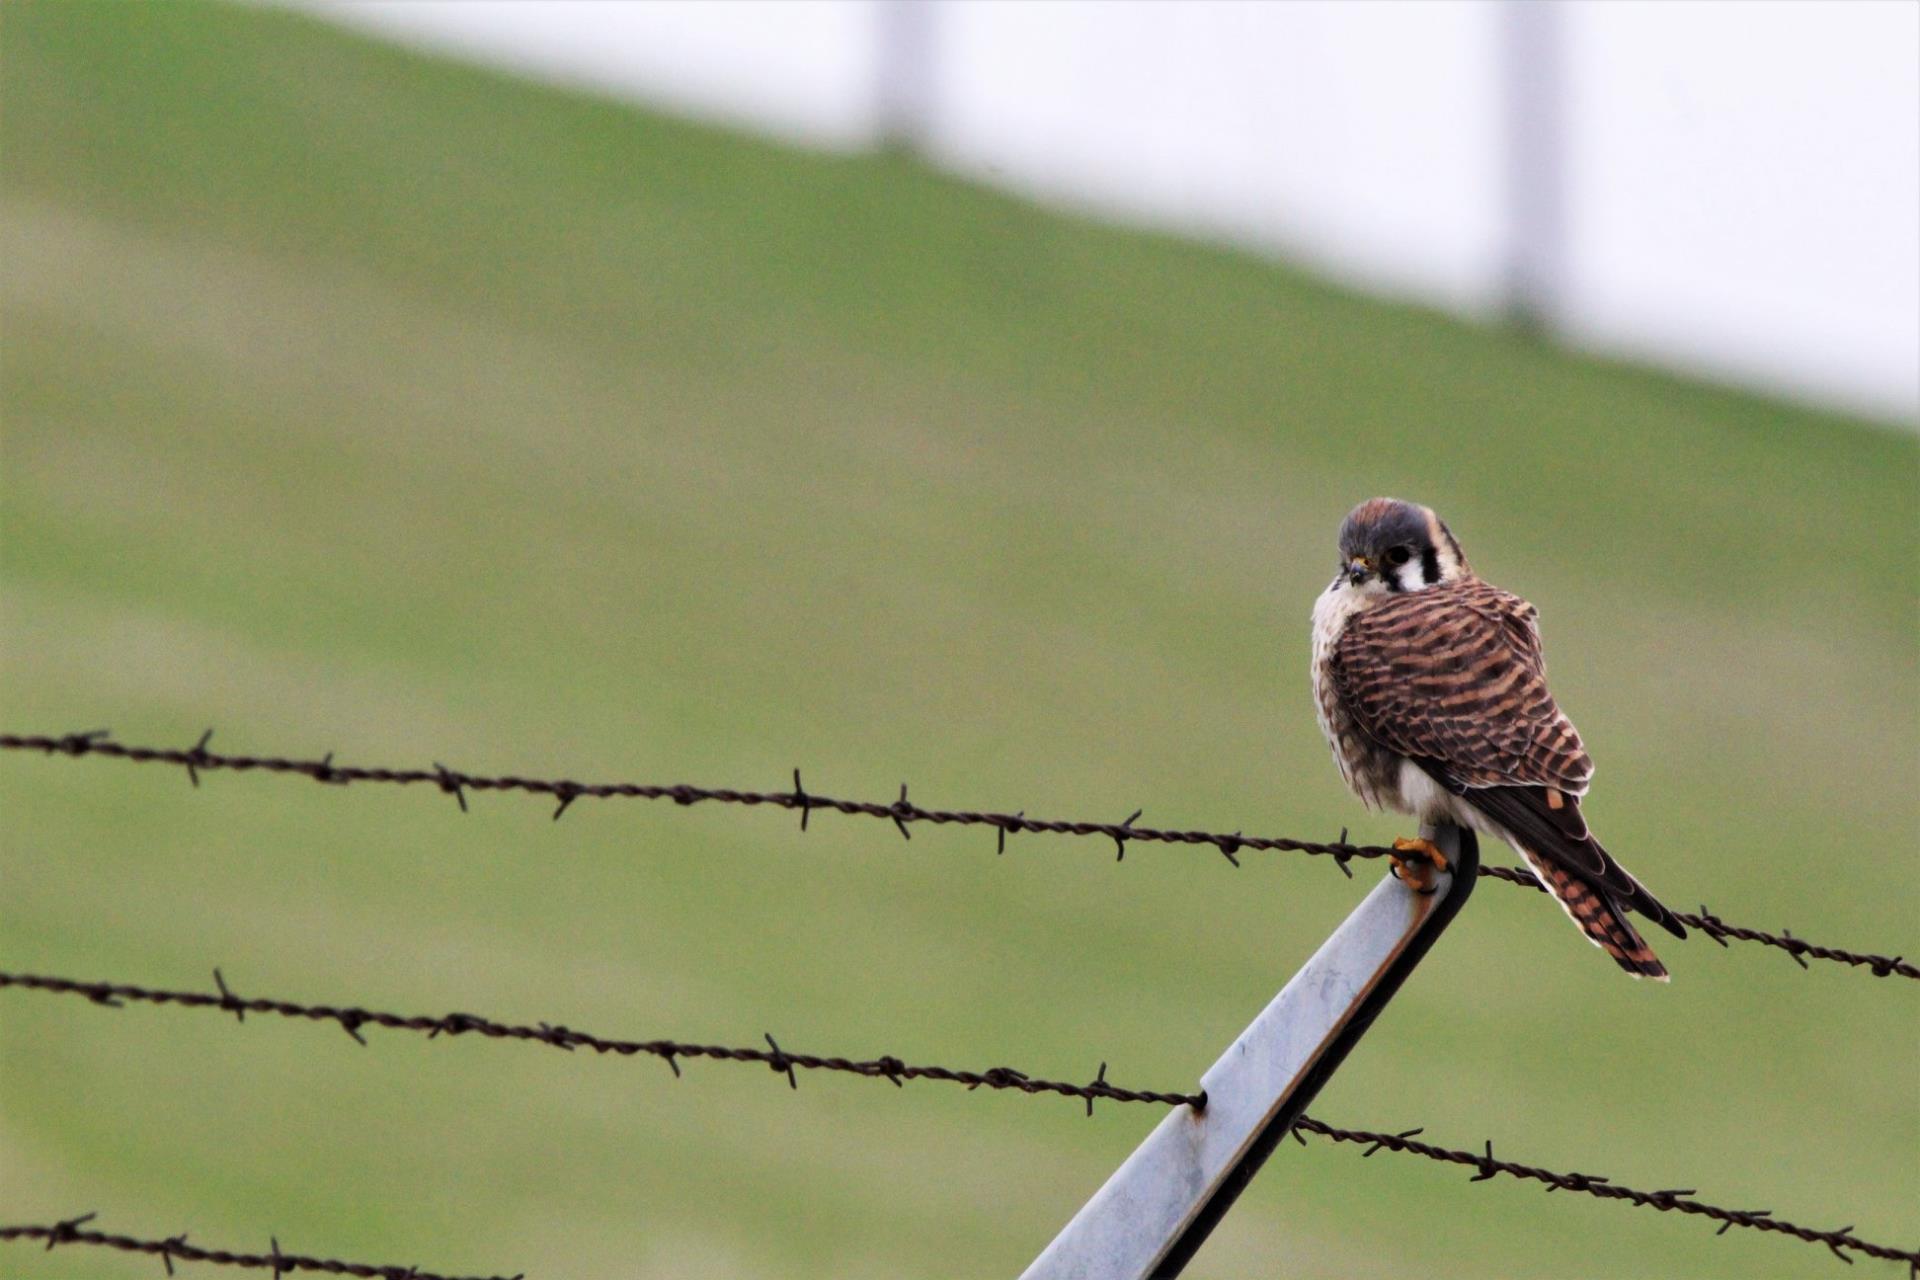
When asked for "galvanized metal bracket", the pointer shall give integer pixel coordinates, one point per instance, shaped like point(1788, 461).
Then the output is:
point(1162, 1203)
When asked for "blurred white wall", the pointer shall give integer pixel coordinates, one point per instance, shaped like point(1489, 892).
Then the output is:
point(1363, 137)
point(1744, 191)
point(1729, 186)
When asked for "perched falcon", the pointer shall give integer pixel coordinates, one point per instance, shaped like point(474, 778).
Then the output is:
point(1433, 695)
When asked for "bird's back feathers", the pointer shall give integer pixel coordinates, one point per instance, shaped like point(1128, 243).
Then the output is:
point(1453, 679)
point(1455, 674)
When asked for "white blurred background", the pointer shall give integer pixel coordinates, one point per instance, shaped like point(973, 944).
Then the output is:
point(1730, 187)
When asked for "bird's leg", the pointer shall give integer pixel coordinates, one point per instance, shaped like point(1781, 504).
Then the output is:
point(1422, 871)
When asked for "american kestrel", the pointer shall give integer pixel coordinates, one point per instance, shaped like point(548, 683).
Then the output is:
point(1432, 692)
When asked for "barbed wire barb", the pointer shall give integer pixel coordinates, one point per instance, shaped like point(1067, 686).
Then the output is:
point(69, 1231)
point(228, 1000)
point(902, 813)
point(195, 756)
point(167, 1247)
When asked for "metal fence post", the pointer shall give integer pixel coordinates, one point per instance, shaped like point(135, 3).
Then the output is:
point(1161, 1204)
point(1533, 56)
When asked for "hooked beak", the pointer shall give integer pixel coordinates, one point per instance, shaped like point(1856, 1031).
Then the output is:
point(1358, 569)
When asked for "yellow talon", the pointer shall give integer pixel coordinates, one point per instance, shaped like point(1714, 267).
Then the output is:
point(1419, 872)
point(1419, 844)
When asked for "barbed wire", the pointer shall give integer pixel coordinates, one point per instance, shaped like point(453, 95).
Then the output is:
point(1676, 1200)
point(69, 1231)
point(902, 813)
point(1798, 949)
point(114, 995)
point(781, 1061)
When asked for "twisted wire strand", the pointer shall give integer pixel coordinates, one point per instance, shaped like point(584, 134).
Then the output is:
point(1668, 1201)
point(781, 1061)
point(901, 812)
point(176, 1248)
point(1487, 1166)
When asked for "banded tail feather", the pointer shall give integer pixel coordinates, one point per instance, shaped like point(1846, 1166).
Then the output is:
point(1605, 924)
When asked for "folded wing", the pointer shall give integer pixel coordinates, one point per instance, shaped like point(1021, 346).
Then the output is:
point(1453, 679)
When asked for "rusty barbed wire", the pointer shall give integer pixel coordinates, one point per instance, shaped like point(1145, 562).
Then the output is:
point(175, 1248)
point(780, 1061)
point(1676, 1200)
point(902, 813)
point(784, 1063)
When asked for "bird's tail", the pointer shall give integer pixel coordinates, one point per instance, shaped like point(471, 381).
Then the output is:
point(1604, 923)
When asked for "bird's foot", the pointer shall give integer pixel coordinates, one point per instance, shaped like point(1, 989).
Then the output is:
point(1421, 872)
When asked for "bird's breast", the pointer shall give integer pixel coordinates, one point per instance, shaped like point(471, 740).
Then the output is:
point(1330, 614)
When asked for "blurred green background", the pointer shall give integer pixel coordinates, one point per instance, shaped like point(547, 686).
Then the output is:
point(357, 401)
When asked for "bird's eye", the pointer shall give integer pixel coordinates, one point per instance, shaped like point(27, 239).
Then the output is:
point(1399, 556)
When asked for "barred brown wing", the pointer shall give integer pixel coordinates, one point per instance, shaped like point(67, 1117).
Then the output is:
point(1454, 675)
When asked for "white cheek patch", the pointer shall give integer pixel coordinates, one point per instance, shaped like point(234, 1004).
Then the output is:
point(1443, 549)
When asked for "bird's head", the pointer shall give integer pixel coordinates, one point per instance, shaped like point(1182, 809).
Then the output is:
point(1388, 546)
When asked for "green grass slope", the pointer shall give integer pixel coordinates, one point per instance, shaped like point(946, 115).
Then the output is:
point(354, 401)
